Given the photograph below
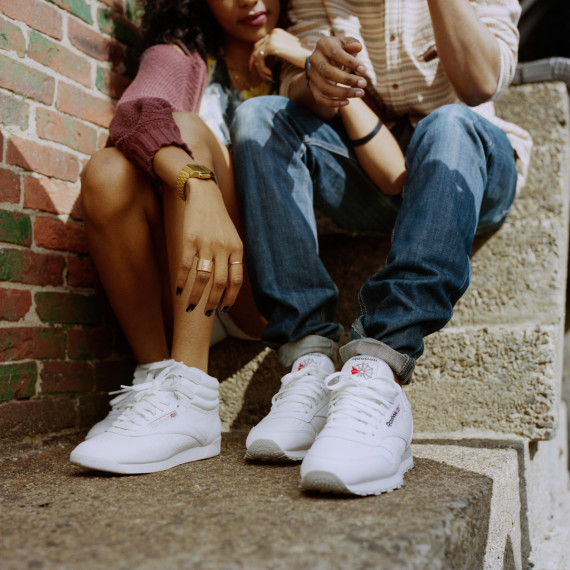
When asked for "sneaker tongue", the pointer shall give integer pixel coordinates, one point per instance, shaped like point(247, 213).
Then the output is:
point(317, 359)
point(366, 368)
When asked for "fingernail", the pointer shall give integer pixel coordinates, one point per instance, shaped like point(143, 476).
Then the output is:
point(190, 308)
point(178, 291)
point(225, 309)
point(209, 313)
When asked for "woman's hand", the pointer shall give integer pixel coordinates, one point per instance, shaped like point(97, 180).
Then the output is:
point(335, 75)
point(209, 234)
point(278, 43)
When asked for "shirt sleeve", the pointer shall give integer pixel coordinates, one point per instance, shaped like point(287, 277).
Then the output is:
point(167, 81)
point(501, 18)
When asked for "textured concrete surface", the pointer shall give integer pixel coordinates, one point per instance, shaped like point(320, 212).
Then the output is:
point(226, 513)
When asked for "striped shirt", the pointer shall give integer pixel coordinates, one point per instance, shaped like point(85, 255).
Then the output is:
point(400, 57)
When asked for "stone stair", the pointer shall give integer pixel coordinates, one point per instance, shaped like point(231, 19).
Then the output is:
point(489, 445)
point(486, 393)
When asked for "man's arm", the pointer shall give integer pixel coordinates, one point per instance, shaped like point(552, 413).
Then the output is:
point(468, 51)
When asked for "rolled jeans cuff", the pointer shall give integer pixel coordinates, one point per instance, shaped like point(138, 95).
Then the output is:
point(290, 351)
point(401, 364)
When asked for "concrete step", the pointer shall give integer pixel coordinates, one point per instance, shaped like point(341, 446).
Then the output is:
point(459, 508)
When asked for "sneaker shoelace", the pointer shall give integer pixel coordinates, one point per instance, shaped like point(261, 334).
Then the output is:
point(150, 399)
point(352, 401)
point(124, 395)
point(300, 390)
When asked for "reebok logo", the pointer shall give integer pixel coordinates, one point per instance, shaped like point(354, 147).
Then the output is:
point(305, 363)
point(393, 417)
point(362, 370)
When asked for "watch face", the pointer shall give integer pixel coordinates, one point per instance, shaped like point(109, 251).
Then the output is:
point(201, 171)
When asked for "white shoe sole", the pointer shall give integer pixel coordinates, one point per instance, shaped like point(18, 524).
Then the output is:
point(328, 482)
point(186, 456)
point(269, 450)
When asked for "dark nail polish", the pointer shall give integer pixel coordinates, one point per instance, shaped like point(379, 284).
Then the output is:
point(209, 313)
point(225, 309)
point(190, 308)
point(178, 291)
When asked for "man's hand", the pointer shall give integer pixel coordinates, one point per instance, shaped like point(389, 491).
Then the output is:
point(335, 75)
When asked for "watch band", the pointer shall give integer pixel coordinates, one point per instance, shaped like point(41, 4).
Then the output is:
point(192, 171)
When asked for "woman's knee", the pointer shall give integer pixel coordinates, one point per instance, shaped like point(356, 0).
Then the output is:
point(108, 183)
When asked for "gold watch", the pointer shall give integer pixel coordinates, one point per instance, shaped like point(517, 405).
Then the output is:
point(192, 171)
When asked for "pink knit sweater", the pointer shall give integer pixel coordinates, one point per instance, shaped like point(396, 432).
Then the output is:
point(167, 81)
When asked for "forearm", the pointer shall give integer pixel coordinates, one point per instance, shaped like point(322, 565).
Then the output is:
point(468, 51)
point(300, 92)
point(381, 157)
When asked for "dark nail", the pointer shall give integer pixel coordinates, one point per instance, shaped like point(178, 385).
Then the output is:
point(225, 309)
point(209, 313)
point(178, 291)
point(190, 308)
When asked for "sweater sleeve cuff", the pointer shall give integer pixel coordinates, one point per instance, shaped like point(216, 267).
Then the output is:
point(140, 130)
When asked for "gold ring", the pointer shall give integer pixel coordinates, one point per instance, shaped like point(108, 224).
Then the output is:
point(236, 262)
point(204, 265)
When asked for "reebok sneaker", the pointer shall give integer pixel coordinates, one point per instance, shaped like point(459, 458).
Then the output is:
point(143, 373)
point(172, 419)
point(364, 448)
point(298, 412)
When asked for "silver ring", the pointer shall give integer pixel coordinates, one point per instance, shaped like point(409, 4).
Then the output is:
point(204, 265)
point(235, 262)
point(262, 53)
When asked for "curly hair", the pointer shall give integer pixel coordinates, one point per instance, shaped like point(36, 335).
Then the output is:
point(189, 22)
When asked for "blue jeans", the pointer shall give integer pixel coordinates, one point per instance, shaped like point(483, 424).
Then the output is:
point(461, 179)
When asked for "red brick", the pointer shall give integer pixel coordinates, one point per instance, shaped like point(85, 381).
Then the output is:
point(10, 184)
point(22, 343)
point(15, 228)
point(80, 8)
point(73, 101)
point(86, 344)
point(52, 233)
point(18, 381)
point(51, 195)
point(31, 83)
point(61, 377)
point(103, 140)
point(42, 158)
point(31, 268)
point(69, 308)
point(14, 111)
point(37, 14)
point(33, 417)
point(60, 59)
point(14, 304)
point(11, 36)
point(66, 130)
point(93, 44)
point(81, 272)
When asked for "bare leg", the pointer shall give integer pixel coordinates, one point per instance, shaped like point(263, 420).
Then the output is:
point(122, 212)
point(207, 147)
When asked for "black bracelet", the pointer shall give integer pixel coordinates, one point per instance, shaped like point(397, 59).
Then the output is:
point(307, 67)
point(368, 137)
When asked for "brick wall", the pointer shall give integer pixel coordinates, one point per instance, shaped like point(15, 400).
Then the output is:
point(63, 63)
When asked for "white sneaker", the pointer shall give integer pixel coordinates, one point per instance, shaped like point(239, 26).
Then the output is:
point(143, 373)
point(173, 419)
point(298, 412)
point(364, 447)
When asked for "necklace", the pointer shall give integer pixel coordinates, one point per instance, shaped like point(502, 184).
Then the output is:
point(242, 78)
